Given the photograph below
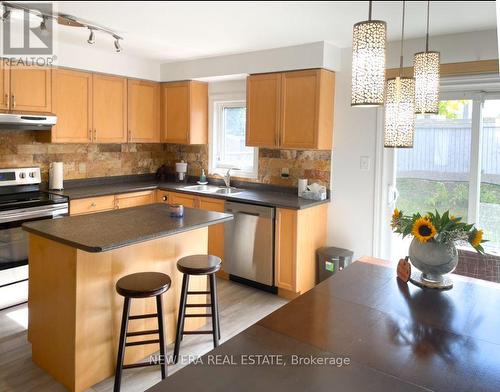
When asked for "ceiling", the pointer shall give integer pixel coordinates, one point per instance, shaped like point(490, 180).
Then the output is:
point(170, 31)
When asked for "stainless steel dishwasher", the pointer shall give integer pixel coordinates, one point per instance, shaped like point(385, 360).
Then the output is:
point(249, 244)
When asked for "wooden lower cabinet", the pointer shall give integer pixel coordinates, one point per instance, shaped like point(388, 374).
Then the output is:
point(215, 232)
point(110, 202)
point(183, 199)
point(134, 199)
point(91, 205)
point(162, 196)
point(295, 248)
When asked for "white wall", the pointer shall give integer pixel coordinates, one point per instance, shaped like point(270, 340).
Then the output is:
point(313, 55)
point(95, 59)
point(351, 213)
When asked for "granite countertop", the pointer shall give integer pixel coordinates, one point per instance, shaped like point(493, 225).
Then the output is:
point(105, 231)
point(257, 194)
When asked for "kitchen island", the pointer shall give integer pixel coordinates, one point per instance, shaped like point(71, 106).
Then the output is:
point(74, 310)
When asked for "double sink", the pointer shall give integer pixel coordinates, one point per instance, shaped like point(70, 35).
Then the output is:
point(211, 189)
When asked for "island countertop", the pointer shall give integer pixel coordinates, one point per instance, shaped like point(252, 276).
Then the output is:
point(109, 230)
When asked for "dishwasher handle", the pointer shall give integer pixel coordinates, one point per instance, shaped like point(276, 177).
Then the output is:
point(250, 209)
point(244, 212)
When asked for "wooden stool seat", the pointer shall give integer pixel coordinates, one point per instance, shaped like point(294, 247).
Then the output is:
point(143, 284)
point(199, 264)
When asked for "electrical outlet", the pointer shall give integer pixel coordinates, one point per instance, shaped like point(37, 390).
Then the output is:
point(285, 173)
point(364, 163)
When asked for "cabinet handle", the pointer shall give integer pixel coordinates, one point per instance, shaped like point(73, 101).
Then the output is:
point(165, 198)
point(129, 135)
point(95, 134)
point(13, 101)
point(7, 99)
point(93, 205)
point(90, 135)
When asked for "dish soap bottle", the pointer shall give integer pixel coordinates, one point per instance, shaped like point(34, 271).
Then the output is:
point(203, 177)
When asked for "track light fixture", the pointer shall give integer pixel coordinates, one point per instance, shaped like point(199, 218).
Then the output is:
point(118, 48)
point(61, 19)
point(6, 13)
point(91, 39)
point(43, 25)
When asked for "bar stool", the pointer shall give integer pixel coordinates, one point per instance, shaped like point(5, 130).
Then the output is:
point(141, 285)
point(198, 265)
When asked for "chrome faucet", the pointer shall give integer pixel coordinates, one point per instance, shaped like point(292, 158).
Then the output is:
point(227, 177)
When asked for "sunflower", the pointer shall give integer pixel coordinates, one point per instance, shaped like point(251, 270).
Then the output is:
point(476, 239)
point(395, 217)
point(423, 230)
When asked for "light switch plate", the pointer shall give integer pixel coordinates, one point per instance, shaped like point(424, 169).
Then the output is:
point(364, 163)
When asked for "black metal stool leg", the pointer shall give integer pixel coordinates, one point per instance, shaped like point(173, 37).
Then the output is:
point(121, 344)
point(213, 302)
point(163, 354)
point(180, 318)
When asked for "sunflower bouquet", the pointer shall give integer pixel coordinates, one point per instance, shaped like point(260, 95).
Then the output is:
point(445, 229)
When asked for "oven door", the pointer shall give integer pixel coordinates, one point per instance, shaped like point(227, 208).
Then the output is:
point(14, 250)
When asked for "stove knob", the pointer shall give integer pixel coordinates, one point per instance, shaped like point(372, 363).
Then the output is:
point(32, 174)
point(22, 175)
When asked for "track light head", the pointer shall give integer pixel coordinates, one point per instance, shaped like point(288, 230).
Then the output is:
point(91, 39)
point(6, 13)
point(118, 48)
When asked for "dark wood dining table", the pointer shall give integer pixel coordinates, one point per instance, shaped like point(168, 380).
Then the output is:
point(362, 330)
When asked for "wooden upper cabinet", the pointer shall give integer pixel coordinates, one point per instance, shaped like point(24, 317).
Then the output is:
point(291, 109)
point(30, 89)
point(72, 103)
point(184, 112)
point(263, 110)
point(4, 86)
point(109, 106)
point(307, 109)
point(143, 111)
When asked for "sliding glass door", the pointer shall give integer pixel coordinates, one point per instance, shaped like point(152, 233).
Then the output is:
point(454, 164)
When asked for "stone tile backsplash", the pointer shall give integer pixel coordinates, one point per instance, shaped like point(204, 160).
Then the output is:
point(24, 148)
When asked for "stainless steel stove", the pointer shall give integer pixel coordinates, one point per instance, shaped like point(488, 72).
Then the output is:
point(21, 200)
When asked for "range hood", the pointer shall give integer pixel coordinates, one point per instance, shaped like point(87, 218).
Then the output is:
point(27, 122)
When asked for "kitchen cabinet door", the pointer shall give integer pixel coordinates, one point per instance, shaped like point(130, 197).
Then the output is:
point(143, 111)
point(307, 109)
point(295, 248)
point(4, 86)
point(91, 205)
point(109, 104)
point(183, 199)
point(215, 232)
point(72, 103)
point(134, 199)
point(184, 112)
point(263, 110)
point(30, 89)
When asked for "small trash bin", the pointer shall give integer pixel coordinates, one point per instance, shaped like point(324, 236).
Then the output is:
point(330, 260)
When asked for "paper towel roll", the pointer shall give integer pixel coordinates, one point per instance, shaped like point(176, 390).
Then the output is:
point(302, 185)
point(56, 176)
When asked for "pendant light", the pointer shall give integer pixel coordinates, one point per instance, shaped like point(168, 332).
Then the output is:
point(399, 124)
point(368, 62)
point(426, 71)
